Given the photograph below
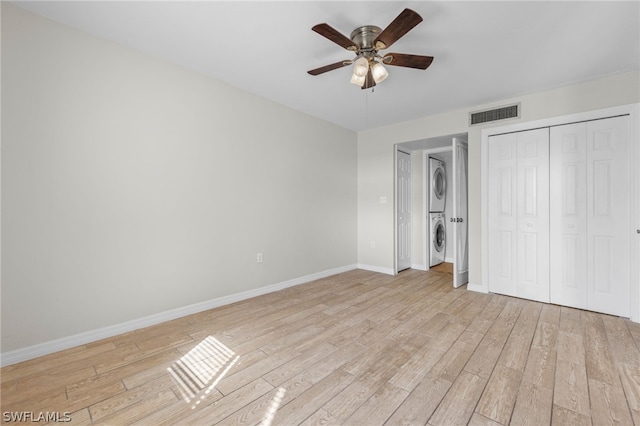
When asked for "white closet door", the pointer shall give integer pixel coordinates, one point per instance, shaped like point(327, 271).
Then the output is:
point(590, 222)
point(460, 213)
point(533, 214)
point(502, 214)
point(519, 214)
point(568, 209)
point(608, 218)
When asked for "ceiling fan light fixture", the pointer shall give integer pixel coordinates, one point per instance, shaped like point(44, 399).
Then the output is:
point(379, 72)
point(358, 81)
point(361, 67)
point(369, 66)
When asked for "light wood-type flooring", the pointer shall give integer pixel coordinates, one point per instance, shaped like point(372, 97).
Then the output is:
point(358, 348)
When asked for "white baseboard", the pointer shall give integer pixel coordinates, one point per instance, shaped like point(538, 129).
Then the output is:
point(24, 354)
point(388, 271)
point(477, 288)
point(419, 267)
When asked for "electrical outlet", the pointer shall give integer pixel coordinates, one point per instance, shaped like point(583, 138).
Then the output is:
point(259, 257)
point(372, 244)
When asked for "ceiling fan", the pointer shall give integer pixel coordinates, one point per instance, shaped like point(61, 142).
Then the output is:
point(366, 41)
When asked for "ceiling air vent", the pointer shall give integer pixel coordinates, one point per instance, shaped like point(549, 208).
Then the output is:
point(479, 117)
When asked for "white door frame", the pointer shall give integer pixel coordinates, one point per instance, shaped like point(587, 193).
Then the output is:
point(633, 110)
point(459, 278)
point(426, 144)
point(396, 197)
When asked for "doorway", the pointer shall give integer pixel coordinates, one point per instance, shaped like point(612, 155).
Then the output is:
point(451, 149)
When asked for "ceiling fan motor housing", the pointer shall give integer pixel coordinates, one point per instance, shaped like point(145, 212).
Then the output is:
point(364, 36)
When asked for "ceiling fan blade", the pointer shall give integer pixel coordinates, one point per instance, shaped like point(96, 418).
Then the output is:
point(329, 67)
point(335, 36)
point(368, 80)
point(405, 60)
point(397, 28)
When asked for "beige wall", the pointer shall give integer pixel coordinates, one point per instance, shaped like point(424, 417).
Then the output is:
point(131, 186)
point(376, 166)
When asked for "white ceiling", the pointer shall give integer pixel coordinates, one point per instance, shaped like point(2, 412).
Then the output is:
point(484, 51)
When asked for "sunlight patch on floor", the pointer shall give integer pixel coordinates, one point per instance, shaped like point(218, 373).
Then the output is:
point(273, 407)
point(200, 370)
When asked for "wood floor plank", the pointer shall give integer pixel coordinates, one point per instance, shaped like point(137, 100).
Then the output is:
point(453, 361)
point(457, 406)
point(533, 405)
point(485, 357)
point(499, 396)
point(355, 348)
point(608, 404)
point(630, 378)
point(379, 407)
point(315, 398)
point(279, 375)
point(570, 321)
point(420, 404)
point(215, 411)
point(344, 403)
point(480, 420)
point(515, 352)
point(570, 347)
point(634, 330)
point(620, 341)
point(562, 416)
point(598, 356)
point(139, 409)
point(571, 388)
point(541, 366)
point(417, 366)
point(320, 417)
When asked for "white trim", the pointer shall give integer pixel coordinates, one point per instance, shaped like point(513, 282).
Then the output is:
point(634, 134)
point(419, 267)
point(380, 269)
point(633, 110)
point(426, 250)
point(52, 346)
point(479, 288)
point(395, 212)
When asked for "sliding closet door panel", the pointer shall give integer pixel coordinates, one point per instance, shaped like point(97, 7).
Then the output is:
point(568, 215)
point(519, 214)
point(502, 214)
point(532, 189)
point(608, 217)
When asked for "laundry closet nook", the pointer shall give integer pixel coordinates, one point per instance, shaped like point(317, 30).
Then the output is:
point(431, 216)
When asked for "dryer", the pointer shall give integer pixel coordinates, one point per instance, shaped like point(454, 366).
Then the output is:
point(437, 232)
point(437, 184)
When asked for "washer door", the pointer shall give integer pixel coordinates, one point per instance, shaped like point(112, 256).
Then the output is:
point(439, 183)
point(438, 237)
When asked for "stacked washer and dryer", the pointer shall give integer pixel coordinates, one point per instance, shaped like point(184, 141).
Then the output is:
point(437, 223)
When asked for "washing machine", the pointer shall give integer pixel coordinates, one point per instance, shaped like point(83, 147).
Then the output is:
point(438, 185)
point(437, 232)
